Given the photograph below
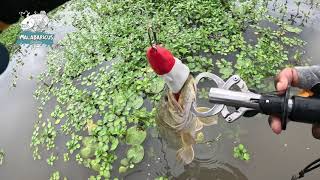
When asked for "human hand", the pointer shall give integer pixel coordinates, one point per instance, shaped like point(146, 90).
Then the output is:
point(286, 77)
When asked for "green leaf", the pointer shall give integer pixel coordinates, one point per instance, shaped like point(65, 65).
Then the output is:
point(246, 157)
point(137, 102)
point(135, 153)
point(2, 155)
point(88, 141)
point(235, 149)
point(95, 165)
point(123, 169)
point(114, 144)
point(292, 29)
point(244, 150)
point(124, 162)
point(57, 121)
point(135, 136)
point(241, 146)
point(156, 86)
point(86, 152)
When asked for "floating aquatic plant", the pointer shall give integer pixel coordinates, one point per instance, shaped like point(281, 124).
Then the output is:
point(225, 68)
point(161, 178)
point(9, 36)
point(135, 136)
point(2, 155)
point(52, 159)
point(241, 152)
point(203, 93)
point(100, 78)
point(55, 175)
point(135, 154)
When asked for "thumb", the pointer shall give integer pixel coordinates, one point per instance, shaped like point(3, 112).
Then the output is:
point(316, 130)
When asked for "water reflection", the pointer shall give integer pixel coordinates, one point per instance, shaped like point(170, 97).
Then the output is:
point(223, 171)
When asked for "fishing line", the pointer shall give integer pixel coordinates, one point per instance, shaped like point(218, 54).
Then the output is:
point(313, 165)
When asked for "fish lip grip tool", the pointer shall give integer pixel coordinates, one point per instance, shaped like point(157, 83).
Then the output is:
point(295, 108)
point(219, 106)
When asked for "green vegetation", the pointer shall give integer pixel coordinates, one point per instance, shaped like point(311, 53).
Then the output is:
point(103, 75)
point(161, 178)
point(135, 154)
point(241, 153)
point(225, 68)
point(101, 78)
point(203, 93)
point(135, 136)
point(2, 155)
point(52, 159)
point(55, 176)
point(9, 36)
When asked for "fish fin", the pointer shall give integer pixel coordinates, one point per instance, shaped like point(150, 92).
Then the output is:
point(199, 125)
point(174, 103)
point(207, 121)
point(187, 139)
point(185, 154)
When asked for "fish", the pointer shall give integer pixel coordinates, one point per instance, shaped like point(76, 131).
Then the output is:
point(176, 122)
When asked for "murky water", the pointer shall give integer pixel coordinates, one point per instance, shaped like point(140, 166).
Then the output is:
point(272, 156)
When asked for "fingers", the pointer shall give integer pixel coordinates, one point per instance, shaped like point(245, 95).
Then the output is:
point(282, 85)
point(316, 130)
point(283, 80)
point(275, 124)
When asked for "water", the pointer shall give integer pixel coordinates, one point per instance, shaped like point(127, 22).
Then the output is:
point(272, 156)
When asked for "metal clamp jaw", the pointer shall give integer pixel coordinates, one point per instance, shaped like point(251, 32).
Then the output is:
point(234, 80)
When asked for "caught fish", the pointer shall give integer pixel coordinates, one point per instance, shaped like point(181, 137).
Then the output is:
point(177, 124)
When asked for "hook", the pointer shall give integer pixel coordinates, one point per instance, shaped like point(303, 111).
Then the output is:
point(153, 39)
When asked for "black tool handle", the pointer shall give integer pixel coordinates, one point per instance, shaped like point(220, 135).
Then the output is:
point(272, 104)
point(306, 110)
